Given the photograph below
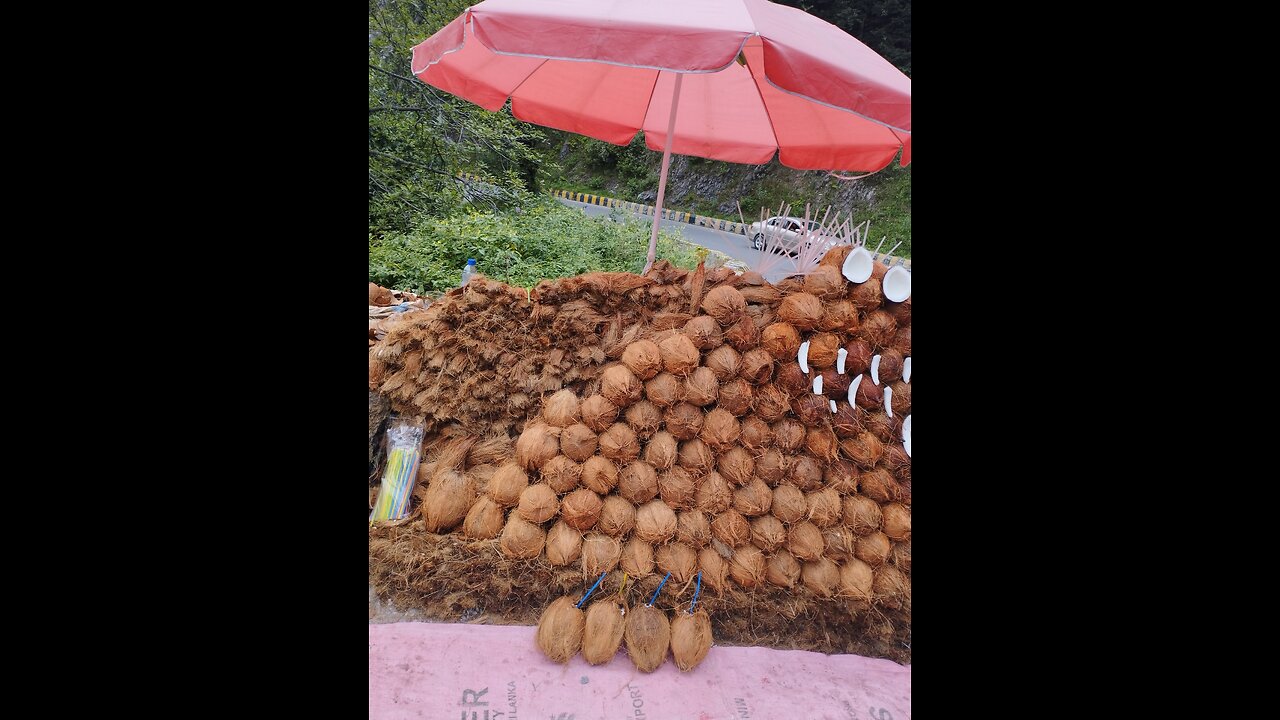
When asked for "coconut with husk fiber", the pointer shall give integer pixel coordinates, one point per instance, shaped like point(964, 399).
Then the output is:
point(793, 381)
point(704, 333)
point(720, 430)
point(841, 476)
point(897, 521)
point(713, 494)
point(637, 558)
point(643, 359)
point(725, 304)
point(840, 316)
point(538, 503)
point(600, 553)
point(602, 633)
point(620, 386)
point(880, 485)
point(536, 445)
point(824, 281)
point(823, 348)
point(753, 499)
point(788, 435)
point(638, 482)
point(648, 635)
point(598, 413)
point(581, 508)
point(873, 549)
point(821, 576)
point(878, 329)
point(835, 385)
point(507, 483)
point(861, 513)
point(806, 473)
point(781, 340)
point(805, 541)
point(747, 567)
point(690, 638)
point(655, 522)
point(675, 486)
point(743, 335)
point(731, 528)
point(856, 578)
point(736, 397)
point(448, 498)
point(679, 355)
point(890, 587)
point(701, 388)
point(771, 403)
point(484, 520)
point(772, 466)
point(599, 475)
point(756, 367)
point(890, 366)
point(521, 539)
point(619, 443)
point(839, 543)
point(782, 569)
point(564, 544)
point(561, 409)
point(660, 451)
point(714, 568)
point(800, 310)
point(811, 409)
point(561, 474)
point(724, 362)
point(683, 421)
point(679, 560)
point(756, 433)
point(695, 456)
point(664, 390)
point(560, 628)
point(693, 528)
point(643, 417)
point(864, 450)
point(768, 533)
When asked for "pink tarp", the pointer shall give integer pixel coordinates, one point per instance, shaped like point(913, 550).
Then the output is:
point(484, 672)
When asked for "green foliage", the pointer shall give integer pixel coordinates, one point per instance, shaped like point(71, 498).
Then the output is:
point(541, 240)
point(890, 212)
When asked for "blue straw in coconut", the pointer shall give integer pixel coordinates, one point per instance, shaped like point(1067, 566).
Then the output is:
point(655, 592)
point(593, 589)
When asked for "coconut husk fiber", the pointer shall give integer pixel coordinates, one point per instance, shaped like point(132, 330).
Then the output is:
point(812, 410)
point(768, 533)
point(731, 528)
point(642, 359)
point(598, 413)
point(840, 316)
point(664, 390)
point(561, 474)
point(724, 362)
point(781, 340)
point(839, 543)
point(736, 397)
point(648, 636)
point(869, 395)
point(704, 332)
point(887, 429)
point(578, 442)
point(901, 401)
point(560, 628)
point(561, 409)
point(602, 631)
point(701, 388)
point(841, 476)
point(823, 507)
point(873, 549)
point(564, 544)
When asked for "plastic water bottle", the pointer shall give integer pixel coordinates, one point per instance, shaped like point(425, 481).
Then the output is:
point(468, 271)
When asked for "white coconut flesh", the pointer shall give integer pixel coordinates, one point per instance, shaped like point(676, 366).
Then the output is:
point(857, 266)
point(896, 284)
point(888, 398)
point(875, 369)
point(817, 385)
point(906, 435)
point(833, 407)
point(906, 370)
point(853, 390)
point(840, 356)
point(802, 356)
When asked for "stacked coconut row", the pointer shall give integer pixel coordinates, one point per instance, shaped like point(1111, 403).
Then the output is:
point(706, 449)
point(564, 629)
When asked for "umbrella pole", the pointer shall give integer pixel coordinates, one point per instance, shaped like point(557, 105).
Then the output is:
point(662, 179)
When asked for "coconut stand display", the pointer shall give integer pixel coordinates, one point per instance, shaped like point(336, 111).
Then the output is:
point(669, 440)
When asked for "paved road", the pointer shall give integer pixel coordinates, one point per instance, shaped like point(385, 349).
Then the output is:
point(731, 244)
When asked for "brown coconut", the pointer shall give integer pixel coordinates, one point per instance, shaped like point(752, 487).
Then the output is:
point(861, 514)
point(683, 421)
point(704, 332)
point(747, 566)
point(886, 429)
point(484, 520)
point(600, 553)
point(756, 367)
point(901, 312)
point(507, 483)
point(693, 528)
point(690, 635)
point(781, 340)
point(448, 498)
point(768, 533)
point(782, 569)
point(761, 295)
point(560, 628)
point(841, 476)
point(581, 508)
point(562, 474)
point(856, 578)
point(804, 540)
point(720, 430)
point(521, 539)
point(772, 466)
point(823, 348)
point(561, 409)
point(897, 521)
point(564, 544)
point(701, 388)
point(679, 355)
point(825, 281)
point(806, 473)
point(900, 556)
point(664, 390)
point(756, 433)
point(867, 296)
point(835, 385)
point(620, 386)
point(801, 310)
point(839, 543)
point(822, 577)
point(538, 503)
point(864, 450)
point(788, 435)
point(890, 587)
point(619, 443)
point(714, 568)
point(736, 465)
point(637, 558)
point(642, 359)
point(660, 451)
point(880, 485)
point(873, 548)
point(736, 397)
point(793, 381)
point(840, 316)
point(878, 329)
point(896, 460)
point(823, 507)
point(598, 413)
point(675, 486)
point(617, 516)
point(869, 395)
point(638, 482)
point(890, 367)
point(731, 528)
point(679, 560)
point(695, 456)
point(743, 335)
point(847, 421)
point(771, 402)
point(655, 522)
point(713, 494)
point(811, 410)
point(602, 633)
point(788, 504)
point(644, 417)
point(901, 401)
point(858, 360)
point(753, 499)
point(599, 475)
point(536, 445)
point(725, 304)
point(648, 636)
point(724, 361)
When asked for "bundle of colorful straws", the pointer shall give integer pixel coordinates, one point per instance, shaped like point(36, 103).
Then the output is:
point(401, 471)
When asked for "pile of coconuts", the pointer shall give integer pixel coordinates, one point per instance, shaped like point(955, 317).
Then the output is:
point(693, 439)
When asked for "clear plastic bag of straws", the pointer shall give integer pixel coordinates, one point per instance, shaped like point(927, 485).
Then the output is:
point(404, 450)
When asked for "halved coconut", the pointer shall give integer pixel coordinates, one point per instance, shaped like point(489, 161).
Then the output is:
point(802, 356)
point(853, 390)
point(857, 266)
point(888, 400)
point(906, 370)
point(817, 385)
point(875, 369)
point(906, 435)
point(896, 284)
point(840, 356)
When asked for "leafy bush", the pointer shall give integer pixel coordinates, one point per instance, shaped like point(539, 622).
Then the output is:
point(541, 240)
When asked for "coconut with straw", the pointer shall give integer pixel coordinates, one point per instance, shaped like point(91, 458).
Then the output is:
point(560, 630)
point(644, 418)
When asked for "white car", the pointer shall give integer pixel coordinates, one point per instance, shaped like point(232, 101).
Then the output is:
point(782, 231)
